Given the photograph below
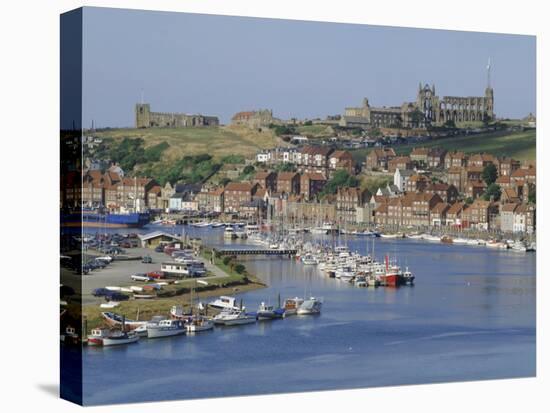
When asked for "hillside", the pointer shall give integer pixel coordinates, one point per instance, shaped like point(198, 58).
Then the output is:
point(518, 145)
point(218, 142)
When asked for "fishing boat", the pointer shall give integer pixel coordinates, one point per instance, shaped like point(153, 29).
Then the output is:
point(115, 320)
point(225, 313)
point(310, 306)
point(119, 337)
point(166, 328)
point(292, 304)
point(199, 323)
point(408, 277)
point(97, 336)
point(239, 318)
point(269, 312)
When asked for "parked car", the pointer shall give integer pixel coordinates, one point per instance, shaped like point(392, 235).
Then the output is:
point(159, 248)
point(101, 292)
point(116, 296)
point(155, 274)
point(147, 260)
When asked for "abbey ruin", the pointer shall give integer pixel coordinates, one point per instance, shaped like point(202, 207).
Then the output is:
point(147, 119)
point(428, 109)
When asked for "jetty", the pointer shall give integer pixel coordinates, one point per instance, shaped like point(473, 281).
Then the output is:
point(254, 251)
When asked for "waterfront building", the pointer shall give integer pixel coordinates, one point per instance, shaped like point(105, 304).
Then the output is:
point(266, 180)
point(347, 202)
point(507, 217)
point(288, 182)
point(237, 194)
point(311, 184)
point(438, 214)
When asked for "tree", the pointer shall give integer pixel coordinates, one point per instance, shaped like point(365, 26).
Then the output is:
point(340, 178)
point(532, 198)
point(226, 260)
point(489, 174)
point(469, 201)
point(239, 268)
point(493, 192)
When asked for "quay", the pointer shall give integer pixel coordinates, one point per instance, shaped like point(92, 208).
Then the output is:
point(252, 251)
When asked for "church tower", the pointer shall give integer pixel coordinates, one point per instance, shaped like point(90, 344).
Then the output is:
point(143, 115)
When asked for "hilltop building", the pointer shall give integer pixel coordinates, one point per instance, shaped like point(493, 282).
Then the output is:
point(147, 119)
point(428, 109)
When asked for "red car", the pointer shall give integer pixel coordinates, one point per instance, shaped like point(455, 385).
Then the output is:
point(155, 274)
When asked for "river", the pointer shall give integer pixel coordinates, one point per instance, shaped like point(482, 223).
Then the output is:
point(470, 316)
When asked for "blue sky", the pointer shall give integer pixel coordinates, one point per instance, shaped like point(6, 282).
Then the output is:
point(220, 65)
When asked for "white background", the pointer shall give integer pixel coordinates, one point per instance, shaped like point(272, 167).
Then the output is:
point(29, 102)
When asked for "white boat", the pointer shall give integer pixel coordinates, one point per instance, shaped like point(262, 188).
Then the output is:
point(110, 304)
point(118, 337)
point(136, 289)
point(310, 306)
point(166, 328)
point(238, 318)
point(225, 313)
point(199, 323)
point(224, 302)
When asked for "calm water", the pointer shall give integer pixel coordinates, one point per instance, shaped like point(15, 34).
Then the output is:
point(470, 316)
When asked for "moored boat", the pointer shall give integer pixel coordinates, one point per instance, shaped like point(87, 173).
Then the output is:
point(269, 312)
point(118, 337)
point(166, 328)
point(292, 304)
point(199, 323)
point(310, 306)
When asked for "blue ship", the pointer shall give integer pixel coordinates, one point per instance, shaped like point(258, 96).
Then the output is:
point(90, 219)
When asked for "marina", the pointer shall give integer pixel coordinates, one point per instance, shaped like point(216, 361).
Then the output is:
point(478, 301)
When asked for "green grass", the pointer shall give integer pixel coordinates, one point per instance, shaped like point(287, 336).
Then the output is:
point(216, 141)
point(315, 131)
point(518, 145)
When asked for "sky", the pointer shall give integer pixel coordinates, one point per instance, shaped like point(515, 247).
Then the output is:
point(220, 65)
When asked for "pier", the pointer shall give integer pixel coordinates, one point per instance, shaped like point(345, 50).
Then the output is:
point(252, 251)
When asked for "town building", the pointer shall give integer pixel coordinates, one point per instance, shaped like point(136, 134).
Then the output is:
point(288, 182)
point(237, 194)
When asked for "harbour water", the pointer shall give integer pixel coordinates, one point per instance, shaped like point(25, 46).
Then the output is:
point(470, 316)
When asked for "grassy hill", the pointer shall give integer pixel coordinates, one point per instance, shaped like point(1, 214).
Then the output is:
point(518, 145)
point(216, 141)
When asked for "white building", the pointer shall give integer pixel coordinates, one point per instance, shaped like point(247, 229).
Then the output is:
point(400, 178)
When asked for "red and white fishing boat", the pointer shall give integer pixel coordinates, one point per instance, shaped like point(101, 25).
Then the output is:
point(392, 276)
point(97, 336)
